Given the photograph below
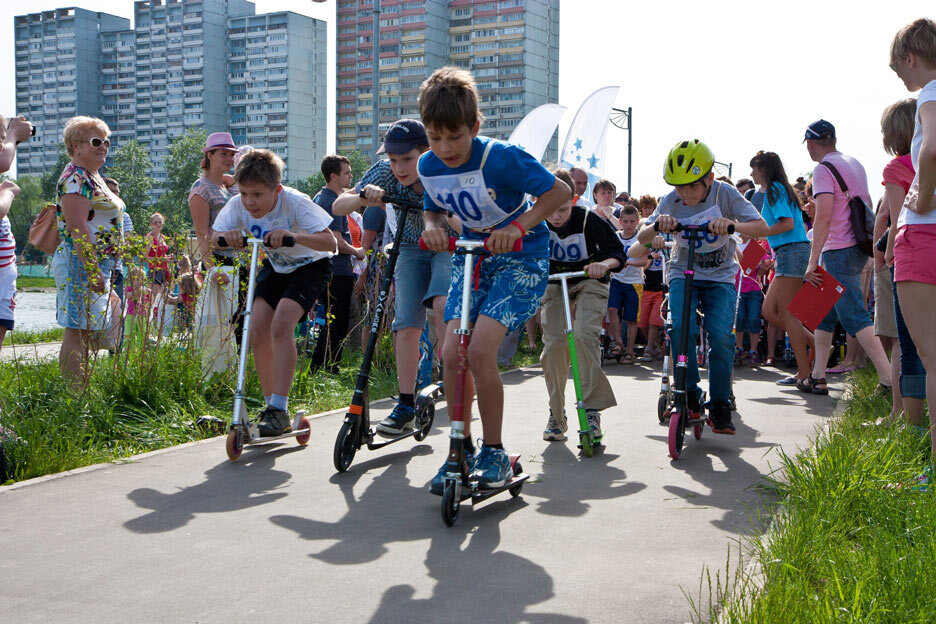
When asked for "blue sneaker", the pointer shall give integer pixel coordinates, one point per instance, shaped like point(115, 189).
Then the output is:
point(438, 481)
point(400, 419)
point(492, 468)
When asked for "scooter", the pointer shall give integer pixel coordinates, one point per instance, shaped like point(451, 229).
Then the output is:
point(458, 483)
point(587, 439)
point(679, 417)
point(243, 432)
point(355, 431)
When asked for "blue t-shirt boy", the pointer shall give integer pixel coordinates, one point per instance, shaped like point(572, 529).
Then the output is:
point(489, 191)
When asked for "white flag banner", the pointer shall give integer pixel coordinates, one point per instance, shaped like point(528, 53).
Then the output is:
point(535, 130)
point(584, 145)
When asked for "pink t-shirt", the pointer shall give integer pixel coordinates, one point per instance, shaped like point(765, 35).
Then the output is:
point(900, 172)
point(840, 230)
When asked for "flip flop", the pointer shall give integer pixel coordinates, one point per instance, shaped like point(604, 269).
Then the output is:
point(841, 370)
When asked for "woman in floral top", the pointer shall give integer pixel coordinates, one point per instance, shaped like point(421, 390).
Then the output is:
point(209, 194)
point(90, 221)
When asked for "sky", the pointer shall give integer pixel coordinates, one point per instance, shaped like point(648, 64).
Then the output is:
point(741, 76)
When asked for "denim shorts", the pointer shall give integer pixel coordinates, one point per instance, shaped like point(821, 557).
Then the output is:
point(748, 319)
point(509, 289)
point(420, 276)
point(846, 265)
point(76, 306)
point(792, 260)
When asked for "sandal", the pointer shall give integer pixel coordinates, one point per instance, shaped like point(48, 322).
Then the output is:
point(615, 350)
point(811, 385)
point(769, 361)
point(841, 369)
point(627, 358)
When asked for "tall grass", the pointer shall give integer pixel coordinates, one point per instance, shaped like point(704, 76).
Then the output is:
point(26, 336)
point(846, 544)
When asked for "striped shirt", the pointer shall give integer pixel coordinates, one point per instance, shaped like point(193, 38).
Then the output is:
point(7, 244)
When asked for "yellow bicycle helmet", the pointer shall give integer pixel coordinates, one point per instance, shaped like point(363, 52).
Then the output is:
point(688, 162)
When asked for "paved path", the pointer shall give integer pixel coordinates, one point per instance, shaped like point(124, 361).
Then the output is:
point(39, 351)
point(186, 536)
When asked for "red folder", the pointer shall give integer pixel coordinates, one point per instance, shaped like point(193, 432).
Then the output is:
point(750, 259)
point(811, 304)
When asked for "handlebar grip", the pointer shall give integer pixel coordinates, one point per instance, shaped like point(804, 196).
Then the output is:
point(223, 243)
point(424, 247)
point(363, 195)
point(288, 241)
point(518, 245)
point(731, 229)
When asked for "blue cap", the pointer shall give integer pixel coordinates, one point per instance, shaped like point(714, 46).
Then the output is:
point(821, 129)
point(403, 137)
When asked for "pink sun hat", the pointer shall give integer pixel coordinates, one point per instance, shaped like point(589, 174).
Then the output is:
point(219, 140)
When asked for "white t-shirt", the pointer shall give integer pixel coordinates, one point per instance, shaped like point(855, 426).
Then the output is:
point(629, 274)
point(294, 211)
point(908, 217)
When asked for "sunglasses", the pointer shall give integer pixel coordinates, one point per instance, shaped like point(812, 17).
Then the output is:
point(98, 142)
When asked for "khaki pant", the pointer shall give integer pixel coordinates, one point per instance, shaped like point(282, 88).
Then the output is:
point(589, 300)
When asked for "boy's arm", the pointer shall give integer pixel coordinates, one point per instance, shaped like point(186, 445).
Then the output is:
point(318, 241)
point(348, 202)
point(502, 240)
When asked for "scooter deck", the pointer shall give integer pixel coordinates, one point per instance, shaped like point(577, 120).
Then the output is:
point(264, 440)
point(478, 495)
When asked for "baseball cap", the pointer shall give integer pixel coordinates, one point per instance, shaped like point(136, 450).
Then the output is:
point(821, 129)
point(404, 136)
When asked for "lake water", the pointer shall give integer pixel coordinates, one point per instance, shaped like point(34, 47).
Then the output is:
point(35, 310)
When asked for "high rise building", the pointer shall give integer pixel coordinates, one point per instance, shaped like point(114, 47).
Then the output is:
point(58, 76)
point(277, 87)
point(176, 69)
point(511, 47)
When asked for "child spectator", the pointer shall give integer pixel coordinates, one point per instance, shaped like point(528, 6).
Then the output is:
point(188, 293)
point(748, 317)
point(291, 279)
point(626, 286)
point(604, 202)
point(157, 252)
point(649, 318)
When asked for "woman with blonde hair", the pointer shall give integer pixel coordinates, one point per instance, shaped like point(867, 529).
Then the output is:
point(90, 222)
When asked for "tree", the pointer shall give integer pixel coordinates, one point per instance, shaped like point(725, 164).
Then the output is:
point(131, 170)
point(23, 211)
point(50, 178)
point(182, 169)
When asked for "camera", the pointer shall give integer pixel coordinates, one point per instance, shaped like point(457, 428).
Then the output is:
point(33, 132)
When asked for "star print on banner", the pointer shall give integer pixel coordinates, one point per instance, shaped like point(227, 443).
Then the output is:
point(585, 142)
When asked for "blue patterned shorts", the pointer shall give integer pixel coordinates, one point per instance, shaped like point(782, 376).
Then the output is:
point(509, 291)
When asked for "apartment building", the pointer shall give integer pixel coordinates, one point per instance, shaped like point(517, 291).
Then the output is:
point(511, 46)
point(277, 87)
point(57, 76)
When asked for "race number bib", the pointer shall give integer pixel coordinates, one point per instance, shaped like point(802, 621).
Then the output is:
point(709, 242)
point(569, 249)
point(466, 195)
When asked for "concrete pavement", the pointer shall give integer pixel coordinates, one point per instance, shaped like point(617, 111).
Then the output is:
point(184, 535)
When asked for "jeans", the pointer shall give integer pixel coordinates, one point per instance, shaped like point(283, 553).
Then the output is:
point(912, 373)
point(749, 312)
point(718, 306)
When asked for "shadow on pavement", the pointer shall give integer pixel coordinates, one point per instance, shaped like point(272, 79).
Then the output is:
point(569, 480)
point(229, 486)
point(473, 583)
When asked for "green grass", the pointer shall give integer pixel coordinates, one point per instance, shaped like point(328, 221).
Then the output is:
point(27, 281)
point(845, 545)
point(23, 337)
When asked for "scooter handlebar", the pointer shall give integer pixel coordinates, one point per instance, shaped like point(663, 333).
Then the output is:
point(288, 241)
point(702, 226)
point(555, 277)
point(400, 202)
point(518, 244)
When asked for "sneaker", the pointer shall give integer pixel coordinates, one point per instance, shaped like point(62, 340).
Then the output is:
point(720, 419)
point(400, 419)
point(273, 422)
point(787, 381)
point(738, 356)
point(732, 403)
point(492, 468)
point(438, 481)
point(755, 358)
point(924, 481)
point(594, 421)
point(555, 429)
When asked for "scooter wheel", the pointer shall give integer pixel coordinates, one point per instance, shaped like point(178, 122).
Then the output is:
point(426, 416)
point(345, 446)
point(515, 490)
point(697, 430)
point(234, 445)
point(676, 435)
point(662, 404)
point(303, 438)
point(586, 443)
point(450, 505)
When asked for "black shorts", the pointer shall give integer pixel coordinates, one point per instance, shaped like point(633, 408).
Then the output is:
point(158, 276)
point(304, 285)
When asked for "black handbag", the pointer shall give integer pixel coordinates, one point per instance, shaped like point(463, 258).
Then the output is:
point(860, 215)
